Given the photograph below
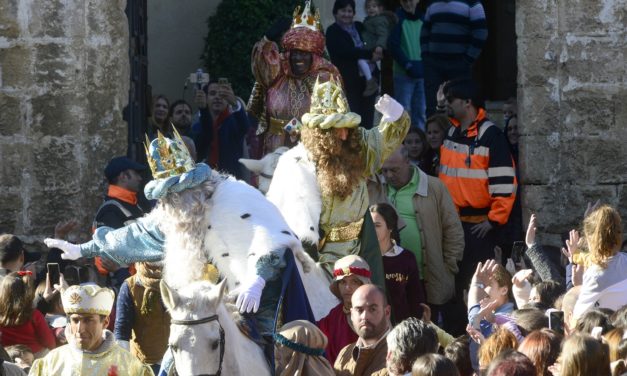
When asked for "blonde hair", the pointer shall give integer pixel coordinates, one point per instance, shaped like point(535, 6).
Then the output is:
point(603, 232)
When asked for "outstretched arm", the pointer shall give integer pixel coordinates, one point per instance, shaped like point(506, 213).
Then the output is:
point(139, 241)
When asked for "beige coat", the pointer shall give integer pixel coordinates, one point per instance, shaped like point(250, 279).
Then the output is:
point(440, 230)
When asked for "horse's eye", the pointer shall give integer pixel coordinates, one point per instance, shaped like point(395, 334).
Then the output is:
point(174, 347)
point(214, 345)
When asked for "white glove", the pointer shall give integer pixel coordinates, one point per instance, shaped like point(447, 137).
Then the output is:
point(250, 295)
point(124, 344)
point(70, 251)
point(389, 108)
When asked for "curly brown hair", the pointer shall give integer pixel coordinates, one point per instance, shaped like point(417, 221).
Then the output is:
point(339, 164)
point(603, 231)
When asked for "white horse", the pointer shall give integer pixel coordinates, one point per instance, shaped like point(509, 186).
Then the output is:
point(264, 167)
point(203, 328)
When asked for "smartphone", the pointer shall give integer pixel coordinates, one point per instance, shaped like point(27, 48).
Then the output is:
point(223, 81)
point(53, 273)
point(518, 248)
point(556, 321)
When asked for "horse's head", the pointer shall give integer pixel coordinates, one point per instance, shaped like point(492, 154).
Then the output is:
point(264, 167)
point(196, 336)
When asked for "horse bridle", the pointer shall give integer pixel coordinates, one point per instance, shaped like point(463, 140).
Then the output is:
point(203, 321)
point(270, 176)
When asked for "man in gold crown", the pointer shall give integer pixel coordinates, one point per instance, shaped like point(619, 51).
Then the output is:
point(284, 81)
point(320, 185)
point(91, 349)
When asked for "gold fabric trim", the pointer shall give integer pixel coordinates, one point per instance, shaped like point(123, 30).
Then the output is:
point(104, 312)
point(276, 125)
point(345, 233)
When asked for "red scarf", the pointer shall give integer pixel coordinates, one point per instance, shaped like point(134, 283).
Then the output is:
point(214, 153)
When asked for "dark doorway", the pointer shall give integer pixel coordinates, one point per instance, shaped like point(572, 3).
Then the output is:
point(496, 68)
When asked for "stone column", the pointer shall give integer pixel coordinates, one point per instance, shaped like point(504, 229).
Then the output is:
point(64, 76)
point(572, 97)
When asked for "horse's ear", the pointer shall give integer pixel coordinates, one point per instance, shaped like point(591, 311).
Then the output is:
point(169, 296)
point(221, 287)
point(253, 165)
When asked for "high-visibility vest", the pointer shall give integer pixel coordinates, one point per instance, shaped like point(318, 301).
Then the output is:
point(478, 169)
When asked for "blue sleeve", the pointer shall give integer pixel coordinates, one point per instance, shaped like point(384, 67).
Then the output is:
point(124, 314)
point(140, 241)
point(569, 276)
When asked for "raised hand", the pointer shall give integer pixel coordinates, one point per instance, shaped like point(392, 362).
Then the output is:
point(573, 242)
point(530, 238)
point(521, 276)
point(389, 108)
point(484, 272)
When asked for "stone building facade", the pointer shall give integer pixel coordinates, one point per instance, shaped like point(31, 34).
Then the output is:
point(572, 98)
point(64, 81)
point(64, 76)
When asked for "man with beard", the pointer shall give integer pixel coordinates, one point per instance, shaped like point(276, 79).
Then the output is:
point(181, 117)
point(370, 315)
point(284, 81)
point(320, 185)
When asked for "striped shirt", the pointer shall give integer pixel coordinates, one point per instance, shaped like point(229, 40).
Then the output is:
point(453, 29)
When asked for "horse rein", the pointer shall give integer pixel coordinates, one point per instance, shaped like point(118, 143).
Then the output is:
point(203, 321)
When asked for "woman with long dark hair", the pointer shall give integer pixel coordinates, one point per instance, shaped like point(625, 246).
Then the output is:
point(402, 278)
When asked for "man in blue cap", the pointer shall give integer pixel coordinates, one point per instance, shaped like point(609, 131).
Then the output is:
point(119, 208)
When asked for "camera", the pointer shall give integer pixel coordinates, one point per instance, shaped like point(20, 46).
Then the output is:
point(199, 78)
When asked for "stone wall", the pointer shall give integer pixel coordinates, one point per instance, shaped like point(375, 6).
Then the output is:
point(572, 97)
point(64, 76)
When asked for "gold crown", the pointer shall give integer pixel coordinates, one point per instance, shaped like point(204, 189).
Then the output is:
point(307, 19)
point(328, 98)
point(168, 157)
point(329, 107)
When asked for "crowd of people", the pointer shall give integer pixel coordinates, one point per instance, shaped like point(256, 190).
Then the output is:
point(414, 225)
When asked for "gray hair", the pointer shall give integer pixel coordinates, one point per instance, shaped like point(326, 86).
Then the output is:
point(407, 341)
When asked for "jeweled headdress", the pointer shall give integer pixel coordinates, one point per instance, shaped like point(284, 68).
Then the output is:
point(306, 32)
point(168, 157)
point(329, 107)
point(306, 19)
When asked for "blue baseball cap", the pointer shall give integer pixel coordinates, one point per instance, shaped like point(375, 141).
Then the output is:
point(119, 164)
